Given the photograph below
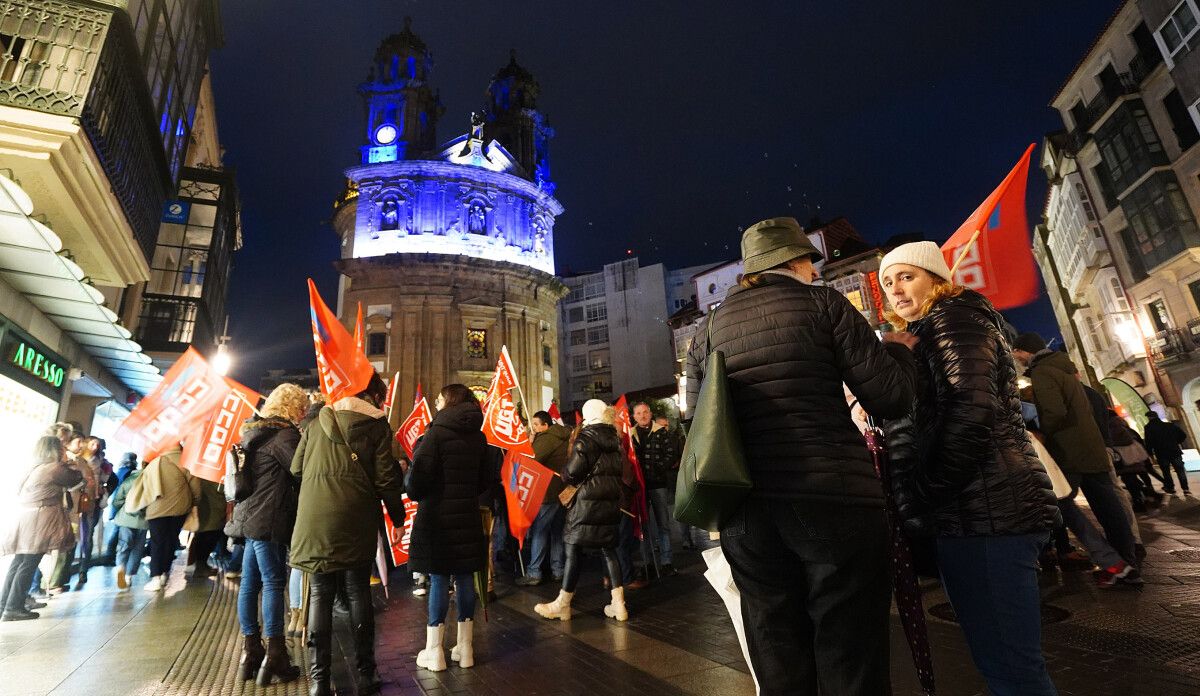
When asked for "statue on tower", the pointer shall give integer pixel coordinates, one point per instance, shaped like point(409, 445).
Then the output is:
point(477, 121)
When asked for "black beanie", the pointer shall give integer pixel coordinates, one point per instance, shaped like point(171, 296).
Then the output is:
point(1030, 343)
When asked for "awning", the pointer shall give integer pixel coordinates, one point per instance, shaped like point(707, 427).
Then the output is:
point(30, 262)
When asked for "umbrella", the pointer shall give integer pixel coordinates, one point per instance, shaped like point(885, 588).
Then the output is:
point(381, 564)
point(904, 574)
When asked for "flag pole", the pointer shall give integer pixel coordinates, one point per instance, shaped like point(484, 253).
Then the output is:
point(962, 254)
point(247, 402)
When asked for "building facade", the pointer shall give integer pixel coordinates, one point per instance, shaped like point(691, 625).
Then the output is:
point(105, 117)
point(449, 248)
point(1119, 244)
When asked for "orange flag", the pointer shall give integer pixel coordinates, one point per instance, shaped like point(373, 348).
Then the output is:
point(625, 433)
point(1000, 264)
point(188, 394)
point(502, 424)
point(343, 368)
point(206, 446)
point(415, 425)
point(554, 414)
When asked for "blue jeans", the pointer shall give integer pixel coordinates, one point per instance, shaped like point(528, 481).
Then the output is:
point(439, 597)
point(131, 546)
point(1098, 548)
point(1109, 508)
point(295, 588)
point(547, 532)
point(660, 501)
point(264, 569)
point(993, 587)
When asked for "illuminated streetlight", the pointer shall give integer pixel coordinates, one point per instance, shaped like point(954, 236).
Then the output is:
point(222, 361)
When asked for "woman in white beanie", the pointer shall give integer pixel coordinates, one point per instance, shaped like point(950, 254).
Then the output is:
point(965, 472)
point(593, 514)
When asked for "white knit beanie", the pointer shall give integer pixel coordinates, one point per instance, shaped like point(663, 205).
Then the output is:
point(593, 411)
point(926, 255)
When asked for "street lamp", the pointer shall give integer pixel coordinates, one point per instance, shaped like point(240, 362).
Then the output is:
point(222, 360)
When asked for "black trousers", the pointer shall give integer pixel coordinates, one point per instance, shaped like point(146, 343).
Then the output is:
point(1175, 463)
point(571, 569)
point(815, 595)
point(323, 588)
point(202, 546)
point(17, 580)
point(164, 537)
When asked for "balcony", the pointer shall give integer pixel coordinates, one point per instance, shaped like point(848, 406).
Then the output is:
point(1144, 64)
point(1172, 346)
point(169, 324)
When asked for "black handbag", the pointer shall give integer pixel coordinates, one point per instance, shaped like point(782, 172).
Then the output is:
point(713, 477)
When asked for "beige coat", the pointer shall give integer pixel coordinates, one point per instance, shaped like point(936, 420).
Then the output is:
point(41, 523)
point(164, 489)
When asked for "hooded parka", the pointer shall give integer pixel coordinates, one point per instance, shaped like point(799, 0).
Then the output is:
point(268, 513)
point(962, 463)
point(596, 467)
point(1065, 415)
point(451, 467)
point(338, 517)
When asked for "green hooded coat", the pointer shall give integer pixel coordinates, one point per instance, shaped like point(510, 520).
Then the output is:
point(339, 517)
point(1065, 415)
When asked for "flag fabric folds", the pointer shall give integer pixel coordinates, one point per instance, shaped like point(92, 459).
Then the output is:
point(342, 367)
point(398, 539)
point(415, 425)
point(187, 395)
point(554, 413)
point(1000, 264)
point(625, 434)
point(206, 447)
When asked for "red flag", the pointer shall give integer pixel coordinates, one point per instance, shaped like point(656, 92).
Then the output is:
point(554, 413)
point(414, 426)
point(625, 433)
point(525, 484)
point(391, 394)
point(187, 395)
point(1000, 264)
point(206, 446)
point(343, 368)
point(358, 331)
point(398, 539)
point(502, 424)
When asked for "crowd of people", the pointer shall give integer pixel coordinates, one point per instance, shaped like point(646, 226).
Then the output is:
point(990, 437)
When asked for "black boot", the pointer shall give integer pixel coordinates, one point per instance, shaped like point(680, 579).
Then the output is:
point(320, 629)
point(278, 664)
point(362, 614)
point(253, 653)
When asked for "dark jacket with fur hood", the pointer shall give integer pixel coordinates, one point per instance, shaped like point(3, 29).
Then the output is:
point(269, 512)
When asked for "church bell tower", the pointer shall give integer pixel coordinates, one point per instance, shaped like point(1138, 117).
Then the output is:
point(402, 109)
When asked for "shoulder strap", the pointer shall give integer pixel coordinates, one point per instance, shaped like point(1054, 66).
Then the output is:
point(345, 441)
point(712, 316)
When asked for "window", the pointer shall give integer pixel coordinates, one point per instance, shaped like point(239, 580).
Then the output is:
point(598, 359)
point(1157, 310)
point(1129, 145)
point(1194, 287)
point(376, 344)
point(579, 363)
point(597, 312)
point(1118, 294)
point(593, 287)
point(1160, 223)
point(547, 358)
point(1174, 34)
point(575, 315)
point(1100, 175)
point(1181, 120)
point(602, 385)
point(477, 343)
point(1086, 204)
point(579, 337)
point(597, 335)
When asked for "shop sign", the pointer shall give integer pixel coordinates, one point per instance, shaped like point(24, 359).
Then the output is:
point(876, 296)
point(176, 212)
point(31, 363)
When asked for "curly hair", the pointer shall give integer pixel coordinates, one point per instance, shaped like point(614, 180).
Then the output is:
point(287, 401)
point(942, 289)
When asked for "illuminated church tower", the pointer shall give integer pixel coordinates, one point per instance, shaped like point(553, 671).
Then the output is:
point(450, 248)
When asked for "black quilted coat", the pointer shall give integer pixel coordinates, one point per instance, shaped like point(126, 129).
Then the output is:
point(788, 348)
point(595, 466)
point(451, 467)
point(962, 462)
point(269, 512)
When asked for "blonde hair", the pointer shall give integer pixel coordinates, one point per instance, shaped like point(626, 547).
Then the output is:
point(942, 289)
point(287, 401)
point(609, 416)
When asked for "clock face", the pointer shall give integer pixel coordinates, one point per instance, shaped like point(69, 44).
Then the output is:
point(385, 134)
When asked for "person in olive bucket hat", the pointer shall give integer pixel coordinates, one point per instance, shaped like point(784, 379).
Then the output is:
point(809, 547)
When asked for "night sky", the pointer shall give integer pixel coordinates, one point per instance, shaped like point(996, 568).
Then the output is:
point(678, 124)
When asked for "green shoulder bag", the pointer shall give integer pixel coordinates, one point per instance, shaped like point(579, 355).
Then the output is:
point(713, 477)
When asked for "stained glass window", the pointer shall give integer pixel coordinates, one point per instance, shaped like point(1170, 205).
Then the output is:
point(477, 343)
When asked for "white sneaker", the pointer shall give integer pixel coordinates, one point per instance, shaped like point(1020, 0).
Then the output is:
point(155, 584)
point(420, 591)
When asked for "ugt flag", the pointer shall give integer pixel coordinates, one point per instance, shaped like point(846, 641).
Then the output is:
point(189, 393)
point(398, 539)
point(502, 424)
point(1000, 264)
point(342, 367)
point(625, 434)
point(415, 425)
point(206, 447)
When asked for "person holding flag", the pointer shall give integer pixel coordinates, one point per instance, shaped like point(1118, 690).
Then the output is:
point(595, 469)
point(450, 469)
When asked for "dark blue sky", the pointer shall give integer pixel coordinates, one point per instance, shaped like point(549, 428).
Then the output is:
point(677, 123)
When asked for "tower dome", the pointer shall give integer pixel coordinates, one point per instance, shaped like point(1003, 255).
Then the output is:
point(402, 57)
point(402, 108)
point(513, 87)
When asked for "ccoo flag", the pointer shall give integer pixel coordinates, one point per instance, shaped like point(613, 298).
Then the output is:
point(343, 369)
point(1000, 264)
point(206, 447)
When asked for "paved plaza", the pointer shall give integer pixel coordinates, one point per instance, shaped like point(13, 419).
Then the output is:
point(678, 640)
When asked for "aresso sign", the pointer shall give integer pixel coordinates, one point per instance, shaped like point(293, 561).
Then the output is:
point(30, 363)
point(35, 363)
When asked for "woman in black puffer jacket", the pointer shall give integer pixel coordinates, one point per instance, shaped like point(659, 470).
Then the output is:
point(450, 469)
point(965, 471)
point(597, 467)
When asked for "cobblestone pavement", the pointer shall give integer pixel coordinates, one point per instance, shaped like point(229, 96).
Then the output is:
point(678, 639)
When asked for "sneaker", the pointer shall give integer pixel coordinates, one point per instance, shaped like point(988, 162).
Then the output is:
point(122, 579)
point(1132, 579)
point(420, 591)
point(55, 591)
point(32, 604)
point(19, 615)
point(155, 584)
point(1109, 576)
point(233, 574)
point(528, 581)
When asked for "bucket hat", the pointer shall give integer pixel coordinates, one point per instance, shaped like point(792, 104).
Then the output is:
point(774, 241)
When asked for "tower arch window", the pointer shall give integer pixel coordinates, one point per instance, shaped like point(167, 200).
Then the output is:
point(389, 214)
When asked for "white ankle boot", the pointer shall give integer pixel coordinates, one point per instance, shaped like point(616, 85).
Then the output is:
point(433, 657)
point(560, 608)
point(616, 610)
point(463, 651)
